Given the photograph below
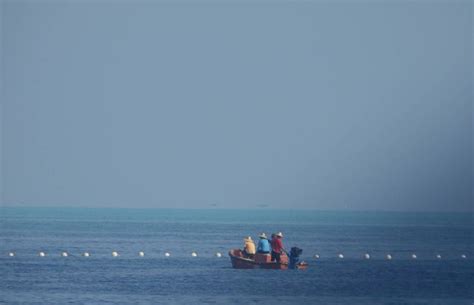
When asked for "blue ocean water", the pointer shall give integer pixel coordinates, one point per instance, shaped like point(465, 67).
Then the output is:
point(207, 279)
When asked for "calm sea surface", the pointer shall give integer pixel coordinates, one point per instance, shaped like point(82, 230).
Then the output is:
point(207, 279)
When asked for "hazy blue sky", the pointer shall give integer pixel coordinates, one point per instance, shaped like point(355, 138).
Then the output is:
point(359, 105)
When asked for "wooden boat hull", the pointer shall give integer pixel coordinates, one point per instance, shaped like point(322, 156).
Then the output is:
point(262, 261)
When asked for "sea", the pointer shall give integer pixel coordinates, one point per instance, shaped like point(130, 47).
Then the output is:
point(334, 244)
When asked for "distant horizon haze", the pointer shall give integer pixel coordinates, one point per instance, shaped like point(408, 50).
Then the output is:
point(362, 106)
point(230, 208)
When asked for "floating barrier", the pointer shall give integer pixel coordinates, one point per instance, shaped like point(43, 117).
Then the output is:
point(365, 256)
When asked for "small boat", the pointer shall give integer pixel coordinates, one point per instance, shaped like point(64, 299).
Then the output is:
point(239, 261)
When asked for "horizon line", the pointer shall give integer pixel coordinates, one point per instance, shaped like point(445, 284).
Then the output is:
point(237, 209)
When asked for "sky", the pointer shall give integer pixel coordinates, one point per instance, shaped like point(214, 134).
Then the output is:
point(346, 105)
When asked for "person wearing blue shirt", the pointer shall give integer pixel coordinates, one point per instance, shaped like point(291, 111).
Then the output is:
point(263, 244)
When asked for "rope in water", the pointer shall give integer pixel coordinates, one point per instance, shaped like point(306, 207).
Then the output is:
point(218, 254)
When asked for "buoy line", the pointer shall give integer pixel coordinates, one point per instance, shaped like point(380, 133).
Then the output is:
point(340, 256)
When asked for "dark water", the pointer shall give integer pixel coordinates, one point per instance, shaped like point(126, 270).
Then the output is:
point(183, 279)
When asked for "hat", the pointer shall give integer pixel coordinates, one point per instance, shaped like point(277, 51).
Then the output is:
point(263, 236)
point(248, 238)
point(279, 234)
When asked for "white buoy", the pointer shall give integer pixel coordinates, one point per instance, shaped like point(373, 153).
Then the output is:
point(218, 254)
point(42, 254)
point(194, 254)
point(413, 256)
point(64, 254)
point(340, 255)
point(367, 256)
point(11, 254)
point(167, 254)
point(115, 254)
point(86, 254)
point(463, 256)
point(389, 257)
point(141, 253)
point(316, 256)
point(438, 256)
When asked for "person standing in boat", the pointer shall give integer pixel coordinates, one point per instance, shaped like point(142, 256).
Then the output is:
point(263, 244)
point(271, 241)
point(277, 247)
point(249, 247)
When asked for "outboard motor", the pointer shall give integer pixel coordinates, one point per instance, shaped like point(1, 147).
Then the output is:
point(295, 253)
